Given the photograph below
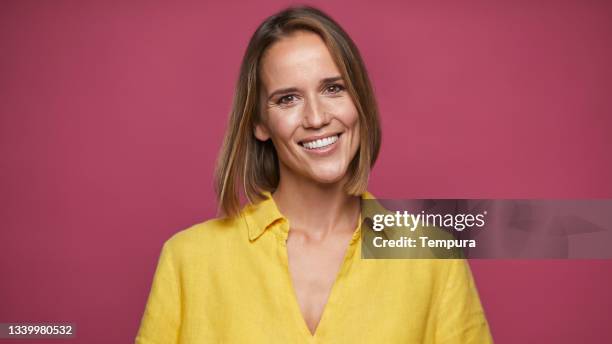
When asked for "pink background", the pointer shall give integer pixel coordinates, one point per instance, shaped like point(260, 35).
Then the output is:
point(112, 114)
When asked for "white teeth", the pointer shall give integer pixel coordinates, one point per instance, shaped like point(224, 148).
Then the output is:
point(320, 143)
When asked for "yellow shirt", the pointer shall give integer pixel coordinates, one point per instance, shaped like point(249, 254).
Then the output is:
point(227, 281)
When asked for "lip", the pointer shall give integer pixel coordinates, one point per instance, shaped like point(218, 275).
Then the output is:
point(317, 137)
point(320, 152)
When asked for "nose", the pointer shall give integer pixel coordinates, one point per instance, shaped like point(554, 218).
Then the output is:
point(315, 115)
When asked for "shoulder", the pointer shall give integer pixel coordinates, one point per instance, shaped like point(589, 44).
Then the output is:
point(206, 237)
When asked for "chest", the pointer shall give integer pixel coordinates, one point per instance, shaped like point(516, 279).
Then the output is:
point(314, 268)
point(277, 291)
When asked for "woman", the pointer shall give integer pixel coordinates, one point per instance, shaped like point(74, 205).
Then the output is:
point(286, 268)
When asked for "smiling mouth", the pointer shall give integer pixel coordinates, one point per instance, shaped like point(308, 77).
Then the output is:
point(320, 143)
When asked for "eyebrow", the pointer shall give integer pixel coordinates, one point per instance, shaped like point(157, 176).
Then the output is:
point(294, 89)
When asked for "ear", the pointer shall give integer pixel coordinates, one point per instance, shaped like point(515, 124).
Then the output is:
point(261, 132)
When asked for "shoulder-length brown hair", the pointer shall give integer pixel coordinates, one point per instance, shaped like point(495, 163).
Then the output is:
point(254, 164)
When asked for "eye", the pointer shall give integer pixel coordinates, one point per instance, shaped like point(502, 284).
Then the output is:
point(286, 100)
point(334, 89)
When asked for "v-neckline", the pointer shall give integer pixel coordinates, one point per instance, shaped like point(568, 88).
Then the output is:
point(295, 305)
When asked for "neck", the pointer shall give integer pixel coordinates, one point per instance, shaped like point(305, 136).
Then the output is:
point(317, 210)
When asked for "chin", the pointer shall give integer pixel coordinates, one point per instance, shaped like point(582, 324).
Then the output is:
point(329, 176)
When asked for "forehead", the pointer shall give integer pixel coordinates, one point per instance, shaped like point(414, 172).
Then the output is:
point(300, 57)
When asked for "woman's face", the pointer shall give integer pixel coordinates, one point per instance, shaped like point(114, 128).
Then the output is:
point(306, 111)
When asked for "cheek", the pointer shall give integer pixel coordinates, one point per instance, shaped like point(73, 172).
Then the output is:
point(349, 116)
point(282, 124)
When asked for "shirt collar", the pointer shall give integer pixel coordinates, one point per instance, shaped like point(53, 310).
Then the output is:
point(262, 215)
